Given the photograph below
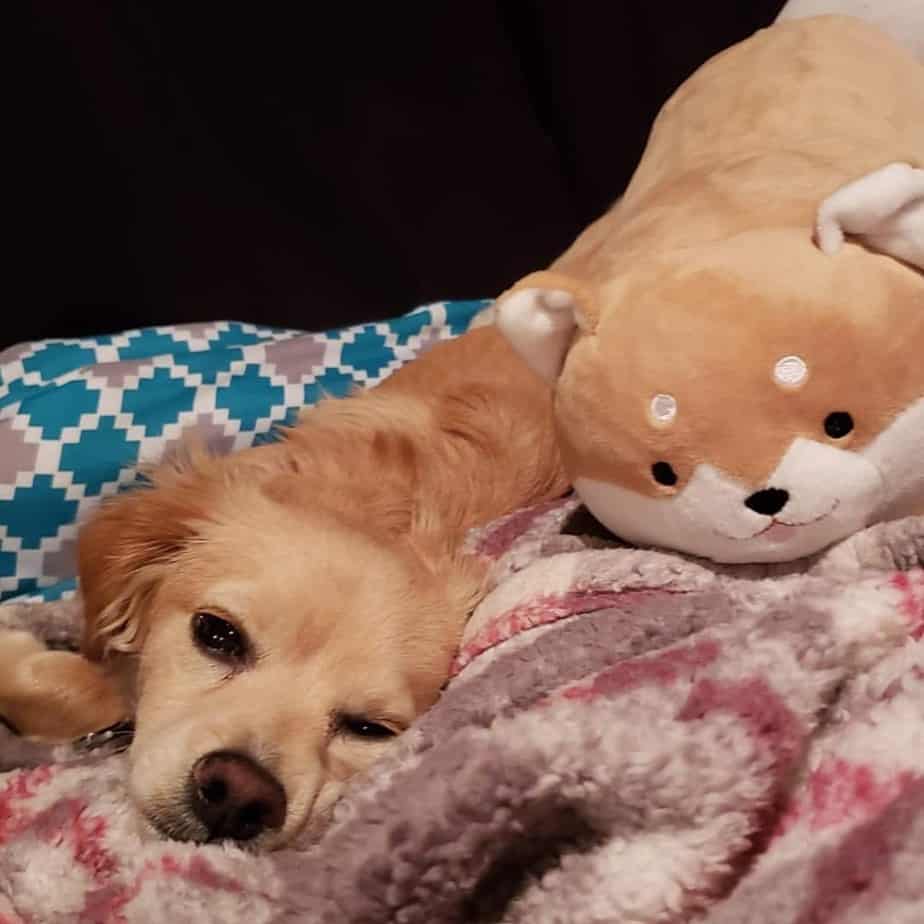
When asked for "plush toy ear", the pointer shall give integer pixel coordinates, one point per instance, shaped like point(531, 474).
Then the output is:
point(883, 210)
point(539, 316)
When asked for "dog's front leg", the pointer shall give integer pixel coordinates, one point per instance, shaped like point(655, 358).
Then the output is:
point(54, 695)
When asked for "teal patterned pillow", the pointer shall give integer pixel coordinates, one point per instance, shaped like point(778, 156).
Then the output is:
point(76, 416)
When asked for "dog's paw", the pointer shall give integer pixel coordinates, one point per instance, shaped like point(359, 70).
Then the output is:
point(54, 695)
point(15, 646)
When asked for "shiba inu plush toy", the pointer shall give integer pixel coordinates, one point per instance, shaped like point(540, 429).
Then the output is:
point(737, 347)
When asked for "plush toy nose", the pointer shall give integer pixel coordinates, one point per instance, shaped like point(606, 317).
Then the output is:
point(234, 797)
point(770, 501)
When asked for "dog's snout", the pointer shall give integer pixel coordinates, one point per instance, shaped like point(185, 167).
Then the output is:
point(234, 797)
point(769, 501)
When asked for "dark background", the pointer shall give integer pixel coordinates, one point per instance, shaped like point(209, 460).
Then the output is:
point(314, 165)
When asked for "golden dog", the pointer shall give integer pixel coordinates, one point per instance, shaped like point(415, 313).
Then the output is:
point(273, 618)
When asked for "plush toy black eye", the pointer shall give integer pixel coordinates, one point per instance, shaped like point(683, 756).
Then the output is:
point(218, 637)
point(663, 473)
point(360, 727)
point(838, 424)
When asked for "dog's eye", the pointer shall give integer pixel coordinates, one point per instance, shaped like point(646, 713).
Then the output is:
point(217, 636)
point(838, 424)
point(361, 727)
point(663, 473)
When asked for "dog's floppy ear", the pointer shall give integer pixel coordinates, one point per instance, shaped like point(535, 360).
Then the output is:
point(539, 316)
point(883, 210)
point(124, 549)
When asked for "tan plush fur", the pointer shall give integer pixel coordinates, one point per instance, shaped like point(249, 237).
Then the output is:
point(336, 552)
point(720, 210)
point(718, 363)
point(705, 275)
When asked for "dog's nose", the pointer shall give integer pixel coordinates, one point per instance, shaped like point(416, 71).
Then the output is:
point(770, 501)
point(234, 797)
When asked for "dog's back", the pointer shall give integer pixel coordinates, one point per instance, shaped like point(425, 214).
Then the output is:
point(459, 437)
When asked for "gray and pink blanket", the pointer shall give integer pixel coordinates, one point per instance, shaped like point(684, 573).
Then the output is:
point(629, 736)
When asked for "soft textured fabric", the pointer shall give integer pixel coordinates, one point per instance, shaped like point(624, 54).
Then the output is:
point(630, 736)
point(76, 416)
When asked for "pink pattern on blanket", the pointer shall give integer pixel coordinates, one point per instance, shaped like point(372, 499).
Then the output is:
point(661, 669)
point(108, 904)
point(540, 611)
point(910, 584)
point(499, 538)
point(754, 701)
point(22, 787)
point(861, 870)
point(64, 822)
point(68, 822)
point(201, 872)
point(838, 791)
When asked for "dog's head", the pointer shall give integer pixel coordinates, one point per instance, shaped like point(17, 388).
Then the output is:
point(750, 399)
point(278, 643)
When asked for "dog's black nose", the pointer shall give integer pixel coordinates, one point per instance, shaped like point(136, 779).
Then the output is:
point(234, 797)
point(769, 502)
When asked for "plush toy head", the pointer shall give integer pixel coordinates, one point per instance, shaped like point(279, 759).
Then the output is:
point(732, 379)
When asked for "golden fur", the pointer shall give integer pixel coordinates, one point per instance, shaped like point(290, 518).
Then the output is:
point(336, 552)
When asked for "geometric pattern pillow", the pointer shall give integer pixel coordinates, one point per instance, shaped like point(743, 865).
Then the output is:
point(76, 416)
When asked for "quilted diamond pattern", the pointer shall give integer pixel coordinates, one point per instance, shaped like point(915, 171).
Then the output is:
point(77, 416)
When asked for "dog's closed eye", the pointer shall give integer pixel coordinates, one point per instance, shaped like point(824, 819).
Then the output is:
point(219, 637)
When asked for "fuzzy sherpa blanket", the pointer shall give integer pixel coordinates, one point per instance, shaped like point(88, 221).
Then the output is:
point(630, 736)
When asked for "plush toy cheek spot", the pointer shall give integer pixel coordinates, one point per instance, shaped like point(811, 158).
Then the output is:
point(790, 371)
point(663, 408)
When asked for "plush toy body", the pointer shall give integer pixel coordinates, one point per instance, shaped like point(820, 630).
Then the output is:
point(738, 345)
